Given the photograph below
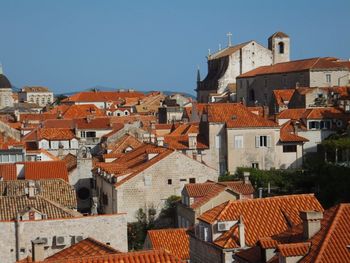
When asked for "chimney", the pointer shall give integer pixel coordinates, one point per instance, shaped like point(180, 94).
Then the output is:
point(31, 189)
point(241, 232)
point(38, 252)
point(192, 140)
point(311, 222)
point(260, 192)
point(265, 112)
point(246, 177)
point(160, 141)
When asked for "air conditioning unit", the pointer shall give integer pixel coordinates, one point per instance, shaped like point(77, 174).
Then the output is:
point(77, 239)
point(223, 226)
point(60, 241)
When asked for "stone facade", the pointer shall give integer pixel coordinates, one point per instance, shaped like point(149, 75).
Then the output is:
point(226, 65)
point(151, 187)
point(258, 89)
point(16, 237)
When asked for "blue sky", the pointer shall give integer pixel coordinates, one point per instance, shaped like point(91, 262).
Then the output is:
point(68, 45)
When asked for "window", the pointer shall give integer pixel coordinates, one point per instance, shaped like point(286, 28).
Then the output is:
point(170, 181)
point(289, 148)
point(217, 141)
point(328, 78)
point(251, 95)
point(82, 134)
point(314, 125)
point(255, 165)
point(192, 180)
point(265, 83)
point(183, 180)
point(262, 141)
point(326, 125)
point(238, 141)
point(38, 158)
point(91, 134)
point(105, 199)
point(281, 47)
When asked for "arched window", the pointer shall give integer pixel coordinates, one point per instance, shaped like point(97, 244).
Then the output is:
point(281, 47)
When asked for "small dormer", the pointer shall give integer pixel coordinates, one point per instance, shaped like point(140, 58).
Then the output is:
point(31, 213)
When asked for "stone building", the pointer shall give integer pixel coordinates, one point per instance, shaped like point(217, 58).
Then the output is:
point(42, 96)
point(237, 136)
point(200, 197)
point(256, 87)
point(6, 98)
point(321, 237)
point(145, 178)
point(238, 225)
point(40, 212)
point(227, 64)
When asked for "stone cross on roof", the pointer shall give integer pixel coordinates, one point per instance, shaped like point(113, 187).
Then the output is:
point(229, 35)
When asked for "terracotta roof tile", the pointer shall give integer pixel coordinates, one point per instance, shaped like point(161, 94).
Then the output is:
point(55, 190)
point(77, 111)
point(294, 66)
point(45, 170)
point(264, 216)
point(125, 142)
point(102, 96)
point(50, 134)
point(134, 162)
point(175, 241)
point(8, 171)
point(228, 51)
point(288, 133)
point(235, 115)
point(146, 256)
point(10, 206)
point(282, 96)
point(86, 248)
point(70, 161)
point(294, 249)
point(203, 192)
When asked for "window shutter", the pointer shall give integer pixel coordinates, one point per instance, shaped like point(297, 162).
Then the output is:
point(257, 141)
point(268, 141)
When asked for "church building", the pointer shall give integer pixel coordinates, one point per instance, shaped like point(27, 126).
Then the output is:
point(6, 99)
point(227, 64)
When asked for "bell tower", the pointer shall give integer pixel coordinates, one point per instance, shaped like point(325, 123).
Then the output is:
point(279, 44)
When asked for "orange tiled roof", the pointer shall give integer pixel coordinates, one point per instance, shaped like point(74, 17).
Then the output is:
point(175, 241)
point(262, 217)
point(102, 96)
point(292, 114)
point(294, 66)
point(70, 161)
point(45, 170)
point(56, 190)
point(8, 171)
point(283, 95)
point(203, 192)
point(50, 134)
point(86, 248)
point(123, 143)
point(236, 115)
point(99, 123)
point(76, 111)
point(294, 249)
point(288, 133)
point(146, 256)
point(327, 245)
point(134, 162)
point(36, 116)
point(10, 206)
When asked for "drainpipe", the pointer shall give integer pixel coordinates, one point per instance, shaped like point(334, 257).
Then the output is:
point(17, 224)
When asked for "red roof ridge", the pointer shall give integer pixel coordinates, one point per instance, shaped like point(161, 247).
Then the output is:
point(335, 220)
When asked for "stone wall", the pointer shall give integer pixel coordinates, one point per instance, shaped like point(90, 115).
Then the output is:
point(151, 188)
point(108, 229)
point(204, 252)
